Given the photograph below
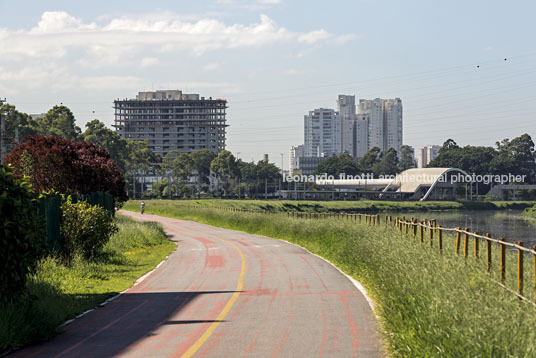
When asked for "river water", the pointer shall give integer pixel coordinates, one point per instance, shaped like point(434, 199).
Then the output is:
point(507, 223)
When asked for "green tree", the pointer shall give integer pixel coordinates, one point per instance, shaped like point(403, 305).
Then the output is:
point(388, 164)
point(58, 121)
point(18, 125)
point(407, 159)
point(337, 165)
point(201, 160)
point(449, 144)
point(140, 162)
point(179, 165)
point(267, 170)
point(225, 168)
point(21, 238)
point(247, 172)
point(516, 157)
point(97, 133)
point(370, 158)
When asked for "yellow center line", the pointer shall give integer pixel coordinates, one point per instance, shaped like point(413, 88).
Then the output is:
point(239, 286)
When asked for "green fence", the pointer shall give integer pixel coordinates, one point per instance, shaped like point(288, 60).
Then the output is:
point(104, 200)
point(50, 210)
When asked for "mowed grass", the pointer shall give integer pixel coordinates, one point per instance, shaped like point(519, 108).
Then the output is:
point(56, 293)
point(338, 206)
point(429, 304)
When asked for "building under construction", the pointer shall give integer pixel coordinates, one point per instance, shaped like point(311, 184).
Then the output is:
point(171, 120)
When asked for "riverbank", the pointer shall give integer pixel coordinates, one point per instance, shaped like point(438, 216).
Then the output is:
point(56, 293)
point(361, 206)
point(429, 304)
point(530, 212)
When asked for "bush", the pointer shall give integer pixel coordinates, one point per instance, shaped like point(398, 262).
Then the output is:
point(67, 167)
point(85, 229)
point(21, 233)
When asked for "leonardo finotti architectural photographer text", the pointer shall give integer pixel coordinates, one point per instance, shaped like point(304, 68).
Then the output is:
point(452, 178)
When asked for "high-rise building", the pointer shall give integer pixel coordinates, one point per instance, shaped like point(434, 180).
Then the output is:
point(346, 109)
point(426, 154)
point(361, 135)
point(322, 133)
point(376, 123)
point(384, 119)
point(295, 152)
point(171, 120)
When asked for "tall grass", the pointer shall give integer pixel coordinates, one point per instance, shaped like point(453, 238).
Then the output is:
point(339, 206)
point(56, 292)
point(430, 304)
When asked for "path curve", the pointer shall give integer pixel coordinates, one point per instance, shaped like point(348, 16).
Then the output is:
point(226, 293)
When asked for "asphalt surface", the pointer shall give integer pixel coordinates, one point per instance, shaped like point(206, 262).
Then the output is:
point(225, 293)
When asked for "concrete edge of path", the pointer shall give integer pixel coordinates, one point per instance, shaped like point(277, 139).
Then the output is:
point(136, 283)
point(71, 320)
point(355, 282)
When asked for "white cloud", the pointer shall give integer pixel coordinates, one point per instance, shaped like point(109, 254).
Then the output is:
point(296, 71)
point(149, 61)
point(314, 36)
point(58, 34)
point(211, 67)
point(342, 39)
point(55, 78)
point(60, 21)
point(249, 4)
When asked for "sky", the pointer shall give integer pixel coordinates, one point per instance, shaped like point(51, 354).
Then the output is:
point(464, 70)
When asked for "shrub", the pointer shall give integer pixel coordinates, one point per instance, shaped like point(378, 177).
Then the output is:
point(68, 167)
point(85, 229)
point(21, 233)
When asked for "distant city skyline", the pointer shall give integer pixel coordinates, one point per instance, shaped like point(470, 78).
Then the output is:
point(464, 70)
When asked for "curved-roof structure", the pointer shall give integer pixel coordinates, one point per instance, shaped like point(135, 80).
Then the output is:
point(410, 180)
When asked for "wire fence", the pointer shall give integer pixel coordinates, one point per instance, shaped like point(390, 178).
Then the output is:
point(428, 233)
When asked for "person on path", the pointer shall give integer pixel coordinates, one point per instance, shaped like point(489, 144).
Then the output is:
point(142, 206)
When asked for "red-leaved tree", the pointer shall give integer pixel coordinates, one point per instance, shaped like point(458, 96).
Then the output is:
point(67, 167)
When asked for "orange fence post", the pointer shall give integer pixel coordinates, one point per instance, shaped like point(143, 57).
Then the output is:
point(503, 261)
point(458, 235)
point(476, 244)
point(534, 259)
point(488, 253)
point(466, 243)
point(439, 238)
point(431, 235)
point(520, 269)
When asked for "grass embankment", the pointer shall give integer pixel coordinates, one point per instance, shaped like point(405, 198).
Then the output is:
point(530, 212)
point(429, 304)
point(56, 293)
point(341, 206)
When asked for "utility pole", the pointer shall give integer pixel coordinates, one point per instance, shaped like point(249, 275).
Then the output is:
point(280, 179)
point(3, 148)
point(239, 175)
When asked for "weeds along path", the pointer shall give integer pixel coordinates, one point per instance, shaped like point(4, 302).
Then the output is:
point(225, 293)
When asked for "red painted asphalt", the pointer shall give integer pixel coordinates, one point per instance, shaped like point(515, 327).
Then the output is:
point(292, 304)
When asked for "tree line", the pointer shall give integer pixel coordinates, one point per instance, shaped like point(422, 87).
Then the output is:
point(373, 162)
point(183, 174)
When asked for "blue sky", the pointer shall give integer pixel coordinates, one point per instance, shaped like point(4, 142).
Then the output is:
point(274, 60)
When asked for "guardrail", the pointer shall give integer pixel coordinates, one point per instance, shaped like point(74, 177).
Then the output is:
point(428, 232)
